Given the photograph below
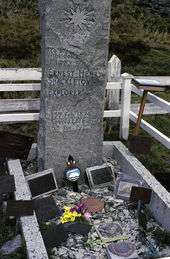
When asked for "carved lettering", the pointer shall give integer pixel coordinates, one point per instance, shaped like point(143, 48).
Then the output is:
point(66, 120)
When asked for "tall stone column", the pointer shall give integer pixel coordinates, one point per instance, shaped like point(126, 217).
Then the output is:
point(75, 35)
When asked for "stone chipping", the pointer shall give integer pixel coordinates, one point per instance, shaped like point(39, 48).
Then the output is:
point(116, 210)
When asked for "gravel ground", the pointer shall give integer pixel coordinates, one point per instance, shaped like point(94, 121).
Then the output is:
point(115, 210)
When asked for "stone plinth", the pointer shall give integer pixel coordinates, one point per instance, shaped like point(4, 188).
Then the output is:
point(74, 63)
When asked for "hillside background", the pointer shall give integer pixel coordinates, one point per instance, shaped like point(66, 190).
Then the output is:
point(139, 36)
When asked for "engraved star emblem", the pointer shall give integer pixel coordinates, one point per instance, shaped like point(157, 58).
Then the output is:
point(79, 18)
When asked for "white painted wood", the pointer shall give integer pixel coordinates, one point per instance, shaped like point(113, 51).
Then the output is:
point(150, 109)
point(112, 114)
point(20, 87)
point(114, 74)
point(7, 105)
point(125, 107)
point(19, 117)
point(20, 74)
point(153, 98)
point(164, 140)
point(114, 85)
point(30, 228)
point(162, 79)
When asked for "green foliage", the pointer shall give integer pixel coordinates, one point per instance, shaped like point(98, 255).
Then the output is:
point(10, 7)
point(19, 41)
point(162, 237)
point(19, 254)
point(5, 233)
point(140, 39)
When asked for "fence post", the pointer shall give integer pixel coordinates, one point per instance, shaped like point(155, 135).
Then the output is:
point(125, 106)
point(114, 74)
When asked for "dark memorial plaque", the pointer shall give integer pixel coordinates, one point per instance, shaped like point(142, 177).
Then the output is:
point(19, 208)
point(14, 145)
point(7, 184)
point(54, 236)
point(74, 77)
point(77, 228)
point(100, 176)
point(42, 183)
point(140, 194)
point(140, 145)
point(46, 209)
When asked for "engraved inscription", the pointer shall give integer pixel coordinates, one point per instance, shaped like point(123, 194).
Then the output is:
point(65, 120)
point(73, 79)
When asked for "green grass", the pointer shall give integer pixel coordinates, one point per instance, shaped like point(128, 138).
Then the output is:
point(154, 62)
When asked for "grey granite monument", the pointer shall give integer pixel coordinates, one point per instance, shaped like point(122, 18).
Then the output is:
point(75, 35)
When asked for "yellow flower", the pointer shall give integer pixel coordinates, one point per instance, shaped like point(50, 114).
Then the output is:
point(69, 216)
point(67, 209)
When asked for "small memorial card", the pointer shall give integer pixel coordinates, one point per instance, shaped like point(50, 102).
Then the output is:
point(124, 184)
point(42, 183)
point(100, 176)
point(140, 194)
point(19, 208)
point(14, 145)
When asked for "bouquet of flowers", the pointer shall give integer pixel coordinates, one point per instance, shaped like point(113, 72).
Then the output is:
point(77, 213)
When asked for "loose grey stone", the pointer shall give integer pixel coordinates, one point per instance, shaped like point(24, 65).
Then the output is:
point(11, 246)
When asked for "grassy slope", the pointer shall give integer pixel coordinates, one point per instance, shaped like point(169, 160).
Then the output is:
point(138, 36)
point(141, 40)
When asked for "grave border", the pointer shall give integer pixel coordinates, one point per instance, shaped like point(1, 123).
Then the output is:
point(29, 225)
point(130, 165)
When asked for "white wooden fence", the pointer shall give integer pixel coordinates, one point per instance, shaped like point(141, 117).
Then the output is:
point(25, 110)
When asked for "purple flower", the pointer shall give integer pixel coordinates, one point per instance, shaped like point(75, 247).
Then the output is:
point(79, 208)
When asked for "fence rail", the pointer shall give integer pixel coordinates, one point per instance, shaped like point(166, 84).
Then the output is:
point(25, 110)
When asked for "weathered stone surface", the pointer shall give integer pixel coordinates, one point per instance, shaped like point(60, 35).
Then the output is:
point(11, 246)
point(74, 51)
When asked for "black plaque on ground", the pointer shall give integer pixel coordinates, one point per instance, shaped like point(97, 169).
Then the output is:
point(54, 235)
point(7, 184)
point(14, 145)
point(42, 183)
point(139, 145)
point(77, 228)
point(46, 209)
point(19, 208)
point(140, 194)
point(100, 176)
